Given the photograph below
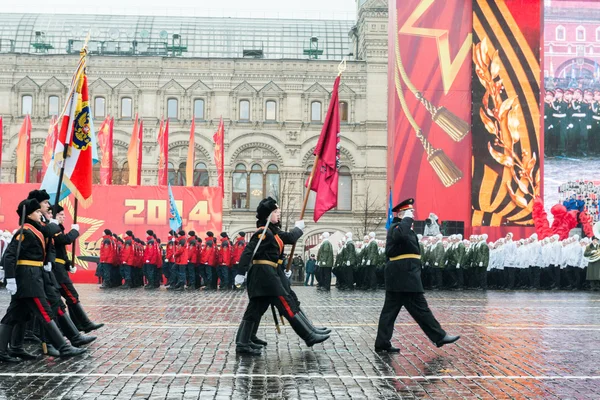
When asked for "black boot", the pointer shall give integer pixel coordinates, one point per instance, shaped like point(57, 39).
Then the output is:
point(59, 342)
point(32, 331)
point(447, 340)
point(16, 343)
point(72, 333)
point(51, 351)
point(323, 331)
point(242, 340)
point(5, 335)
point(256, 340)
point(301, 327)
point(85, 324)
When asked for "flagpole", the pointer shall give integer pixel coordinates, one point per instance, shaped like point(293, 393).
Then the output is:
point(74, 245)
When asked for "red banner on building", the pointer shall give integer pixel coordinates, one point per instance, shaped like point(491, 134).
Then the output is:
point(105, 142)
point(163, 153)
point(49, 144)
point(429, 106)
point(507, 173)
point(219, 138)
point(121, 208)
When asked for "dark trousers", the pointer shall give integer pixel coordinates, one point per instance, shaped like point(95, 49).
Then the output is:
point(438, 278)
point(509, 277)
point(211, 274)
point(482, 272)
point(21, 310)
point(257, 306)
point(534, 277)
point(191, 275)
point(167, 271)
point(311, 276)
point(417, 307)
point(370, 277)
point(68, 291)
point(204, 273)
point(574, 277)
point(181, 275)
point(231, 273)
point(325, 278)
point(126, 274)
point(103, 271)
point(149, 271)
point(223, 274)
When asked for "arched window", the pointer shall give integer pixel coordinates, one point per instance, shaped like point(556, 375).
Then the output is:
point(343, 111)
point(125, 173)
point(315, 111)
point(560, 33)
point(172, 174)
point(116, 174)
point(126, 107)
point(271, 111)
point(256, 186)
point(199, 109)
point(99, 107)
point(244, 110)
point(597, 34)
point(200, 174)
point(172, 109)
point(181, 175)
point(26, 104)
point(239, 198)
point(344, 190)
point(53, 105)
point(580, 34)
point(96, 174)
point(36, 172)
point(272, 181)
point(312, 196)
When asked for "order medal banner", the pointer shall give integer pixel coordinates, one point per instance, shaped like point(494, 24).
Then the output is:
point(429, 106)
point(507, 159)
point(122, 208)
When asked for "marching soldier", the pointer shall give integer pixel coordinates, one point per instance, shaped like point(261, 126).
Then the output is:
point(181, 261)
point(403, 283)
point(265, 286)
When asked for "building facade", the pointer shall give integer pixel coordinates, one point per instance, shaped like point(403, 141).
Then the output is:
point(571, 43)
point(270, 81)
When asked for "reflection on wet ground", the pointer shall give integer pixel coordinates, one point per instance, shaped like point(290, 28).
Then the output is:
point(164, 345)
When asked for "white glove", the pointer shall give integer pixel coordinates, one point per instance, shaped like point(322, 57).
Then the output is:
point(75, 227)
point(300, 225)
point(481, 264)
point(166, 260)
point(457, 266)
point(72, 269)
point(54, 221)
point(446, 263)
point(348, 263)
point(409, 214)
point(436, 264)
point(368, 262)
point(288, 273)
point(147, 261)
point(11, 286)
point(239, 279)
point(1, 274)
point(48, 267)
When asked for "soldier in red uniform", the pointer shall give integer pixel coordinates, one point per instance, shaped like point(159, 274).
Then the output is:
point(181, 261)
point(224, 262)
point(159, 266)
point(117, 279)
point(168, 266)
point(236, 254)
point(106, 257)
point(149, 260)
point(192, 248)
point(209, 261)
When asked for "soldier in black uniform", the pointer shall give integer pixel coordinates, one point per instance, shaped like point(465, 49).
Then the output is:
point(25, 283)
point(403, 285)
point(265, 279)
point(62, 265)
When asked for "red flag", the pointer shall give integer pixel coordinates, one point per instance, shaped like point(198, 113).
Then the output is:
point(219, 138)
point(325, 180)
point(134, 154)
point(50, 144)
point(163, 156)
point(191, 156)
point(24, 151)
point(105, 141)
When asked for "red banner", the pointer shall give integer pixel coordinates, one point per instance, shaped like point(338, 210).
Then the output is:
point(163, 153)
point(429, 106)
point(105, 142)
point(49, 144)
point(121, 208)
point(219, 138)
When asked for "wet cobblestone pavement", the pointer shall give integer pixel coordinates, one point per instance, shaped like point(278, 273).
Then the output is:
point(165, 345)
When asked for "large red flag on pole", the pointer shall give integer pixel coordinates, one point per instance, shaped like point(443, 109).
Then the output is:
point(105, 140)
point(219, 138)
point(163, 156)
point(133, 153)
point(23, 151)
point(327, 157)
point(191, 157)
point(49, 144)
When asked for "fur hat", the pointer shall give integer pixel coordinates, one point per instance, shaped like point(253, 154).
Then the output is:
point(210, 234)
point(242, 234)
point(192, 233)
point(129, 233)
point(39, 195)
point(265, 208)
point(108, 232)
point(224, 234)
point(57, 208)
point(31, 205)
point(181, 233)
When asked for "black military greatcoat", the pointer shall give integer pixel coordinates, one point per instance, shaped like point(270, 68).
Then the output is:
point(403, 275)
point(62, 263)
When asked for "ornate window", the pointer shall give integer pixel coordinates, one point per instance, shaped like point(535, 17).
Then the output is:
point(200, 174)
point(36, 172)
point(172, 109)
point(126, 108)
point(580, 34)
point(271, 111)
point(239, 198)
point(315, 111)
point(244, 110)
point(181, 181)
point(344, 190)
point(560, 32)
point(53, 105)
point(99, 107)
point(172, 177)
point(272, 181)
point(116, 174)
point(344, 111)
point(125, 173)
point(26, 105)
point(199, 109)
point(256, 186)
